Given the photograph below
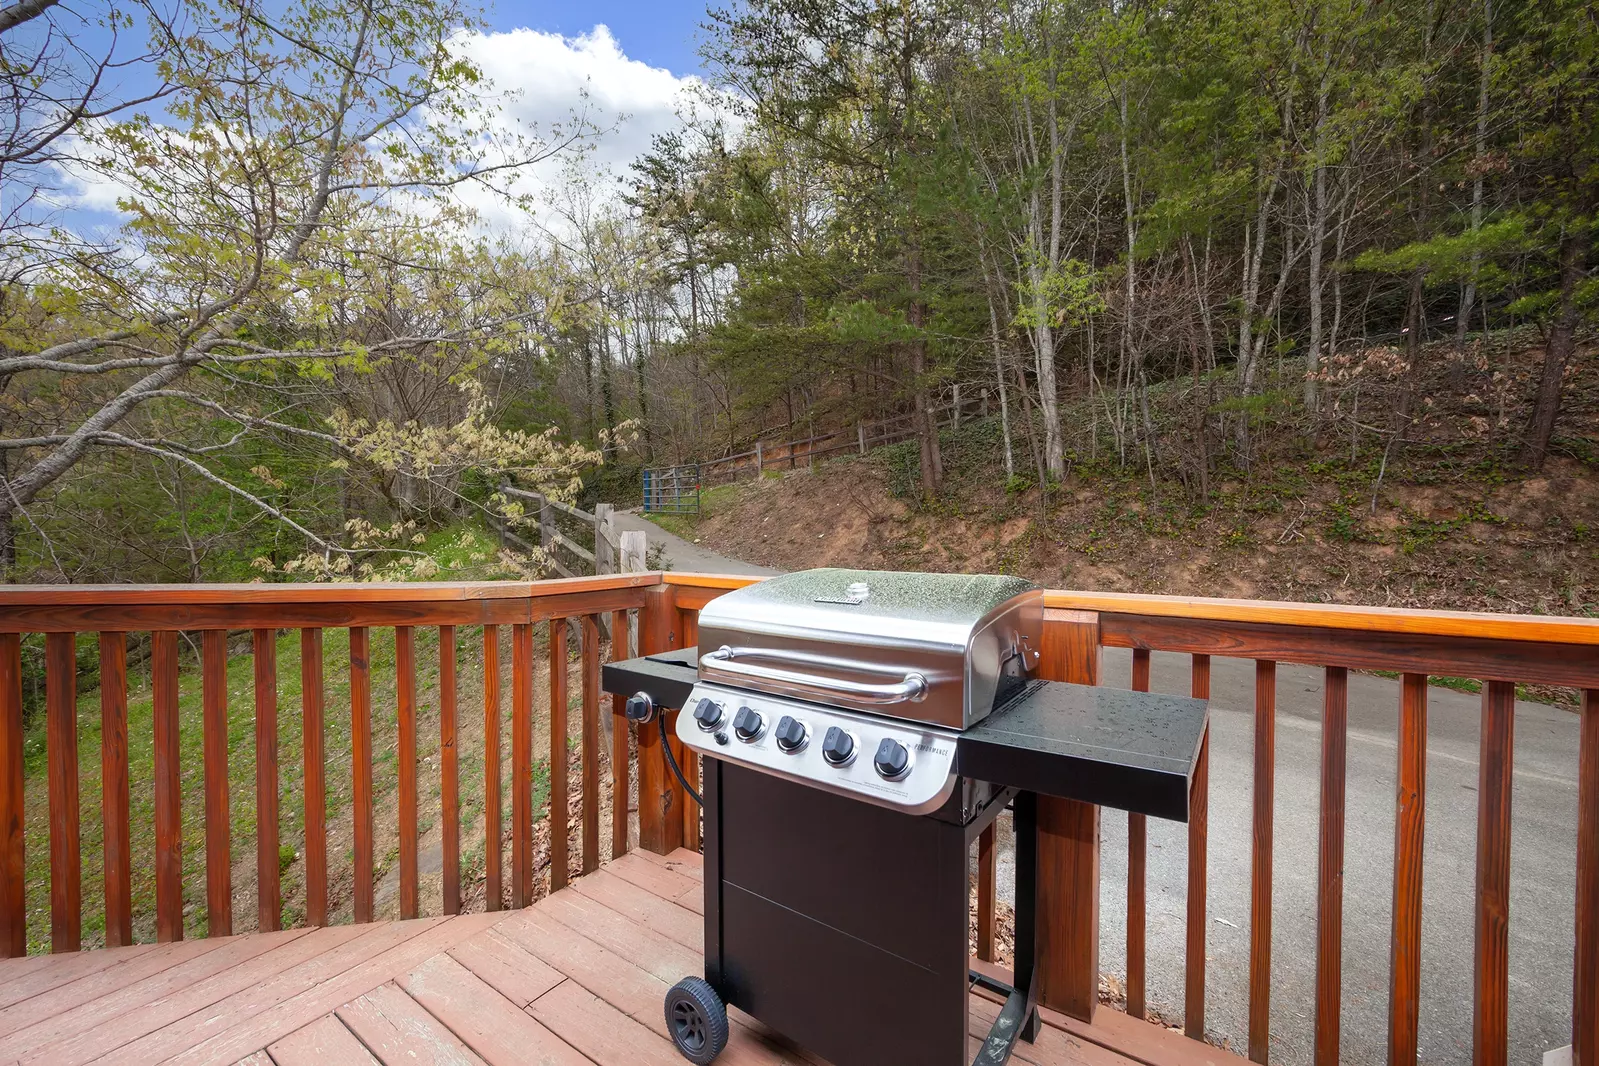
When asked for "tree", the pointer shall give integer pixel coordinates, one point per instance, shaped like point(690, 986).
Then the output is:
point(297, 144)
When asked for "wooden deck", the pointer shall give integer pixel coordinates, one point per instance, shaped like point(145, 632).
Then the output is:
point(577, 978)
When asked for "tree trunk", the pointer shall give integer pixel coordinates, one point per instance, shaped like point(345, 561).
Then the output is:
point(932, 465)
point(1479, 152)
point(1557, 353)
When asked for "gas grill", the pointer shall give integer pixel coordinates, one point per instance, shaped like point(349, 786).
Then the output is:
point(859, 730)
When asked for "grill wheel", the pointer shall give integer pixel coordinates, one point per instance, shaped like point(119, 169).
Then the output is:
point(697, 1020)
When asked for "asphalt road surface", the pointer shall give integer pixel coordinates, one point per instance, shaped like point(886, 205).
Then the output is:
point(1542, 875)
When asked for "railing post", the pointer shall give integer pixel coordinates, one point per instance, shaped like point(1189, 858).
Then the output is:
point(1068, 845)
point(760, 461)
point(605, 549)
point(660, 800)
point(860, 436)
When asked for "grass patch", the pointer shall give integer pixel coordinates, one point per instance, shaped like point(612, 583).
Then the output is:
point(242, 773)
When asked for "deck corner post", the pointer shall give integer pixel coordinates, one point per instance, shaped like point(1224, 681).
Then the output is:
point(1068, 845)
point(661, 799)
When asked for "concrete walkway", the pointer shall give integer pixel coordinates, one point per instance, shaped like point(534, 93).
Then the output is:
point(684, 555)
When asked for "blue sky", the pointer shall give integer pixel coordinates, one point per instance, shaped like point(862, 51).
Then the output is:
point(630, 65)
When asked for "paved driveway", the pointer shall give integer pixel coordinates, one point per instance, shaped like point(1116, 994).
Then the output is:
point(1542, 877)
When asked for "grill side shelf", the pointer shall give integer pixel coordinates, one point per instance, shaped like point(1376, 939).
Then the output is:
point(667, 677)
point(1130, 750)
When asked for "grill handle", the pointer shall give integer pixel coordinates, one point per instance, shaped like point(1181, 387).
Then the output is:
point(910, 688)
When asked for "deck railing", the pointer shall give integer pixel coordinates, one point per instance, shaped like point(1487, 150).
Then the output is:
point(1499, 651)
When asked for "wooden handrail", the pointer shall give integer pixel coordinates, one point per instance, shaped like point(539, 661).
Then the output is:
point(1496, 649)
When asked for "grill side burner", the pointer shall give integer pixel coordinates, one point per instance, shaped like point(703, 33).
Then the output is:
point(840, 807)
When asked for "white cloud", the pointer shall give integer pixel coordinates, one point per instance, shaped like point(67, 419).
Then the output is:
point(550, 77)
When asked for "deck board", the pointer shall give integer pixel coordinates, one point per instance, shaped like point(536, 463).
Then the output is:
point(576, 980)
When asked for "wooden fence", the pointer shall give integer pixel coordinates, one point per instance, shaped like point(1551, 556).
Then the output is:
point(860, 438)
point(1498, 650)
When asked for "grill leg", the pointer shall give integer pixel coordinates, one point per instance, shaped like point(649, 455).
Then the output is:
point(1019, 1016)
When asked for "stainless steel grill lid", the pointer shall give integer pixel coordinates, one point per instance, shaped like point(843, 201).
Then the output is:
point(938, 648)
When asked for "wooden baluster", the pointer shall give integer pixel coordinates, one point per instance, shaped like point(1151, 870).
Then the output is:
point(688, 760)
point(361, 768)
point(114, 789)
point(1585, 987)
point(1330, 882)
point(621, 648)
point(218, 829)
point(987, 865)
point(449, 774)
point(1198, 830)
point(313, 748)
point(61, 697)
point(1490, 1016)
point(1260, 876)
point(268, 864)
point(13, 827)
point(660, 815)
point(591, 744)
point(1404, 968)
point(560, 812)
point(493, 841)
point(168, 794)
point(521, 764)
point(621, 754)
point(1137, 856)
point(405, 703)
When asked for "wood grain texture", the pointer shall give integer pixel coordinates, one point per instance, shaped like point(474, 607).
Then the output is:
point(168, 788)
point(61, 742)
point(1068, 845)
point(314, 751)
point(1585, 986)
point(1544, 662)
point(987, 866)
point(139, 608)
point(246, 614)
point(218, 819)
point(660, 800)
point(522, 765)
point(361, 770)
point(405, 754)
point(1358, 619)
point(1260, 861)
point(1491, 993)
point(1330, 865)
point(1137, 858)
point(493, 847)
point(591, 744)
point(13, 825)
point(1410, 803)
point(1198, 845)
point(449, 775)
point(621, 755)
point(560, 801)
point(116, 845)
point(268, 841)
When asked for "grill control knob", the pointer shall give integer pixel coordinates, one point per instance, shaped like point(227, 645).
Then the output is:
point(747, 723)
point(790, 734)
point(640, 708)
point(708, 713)
point(892, 760)
point(838, 747)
